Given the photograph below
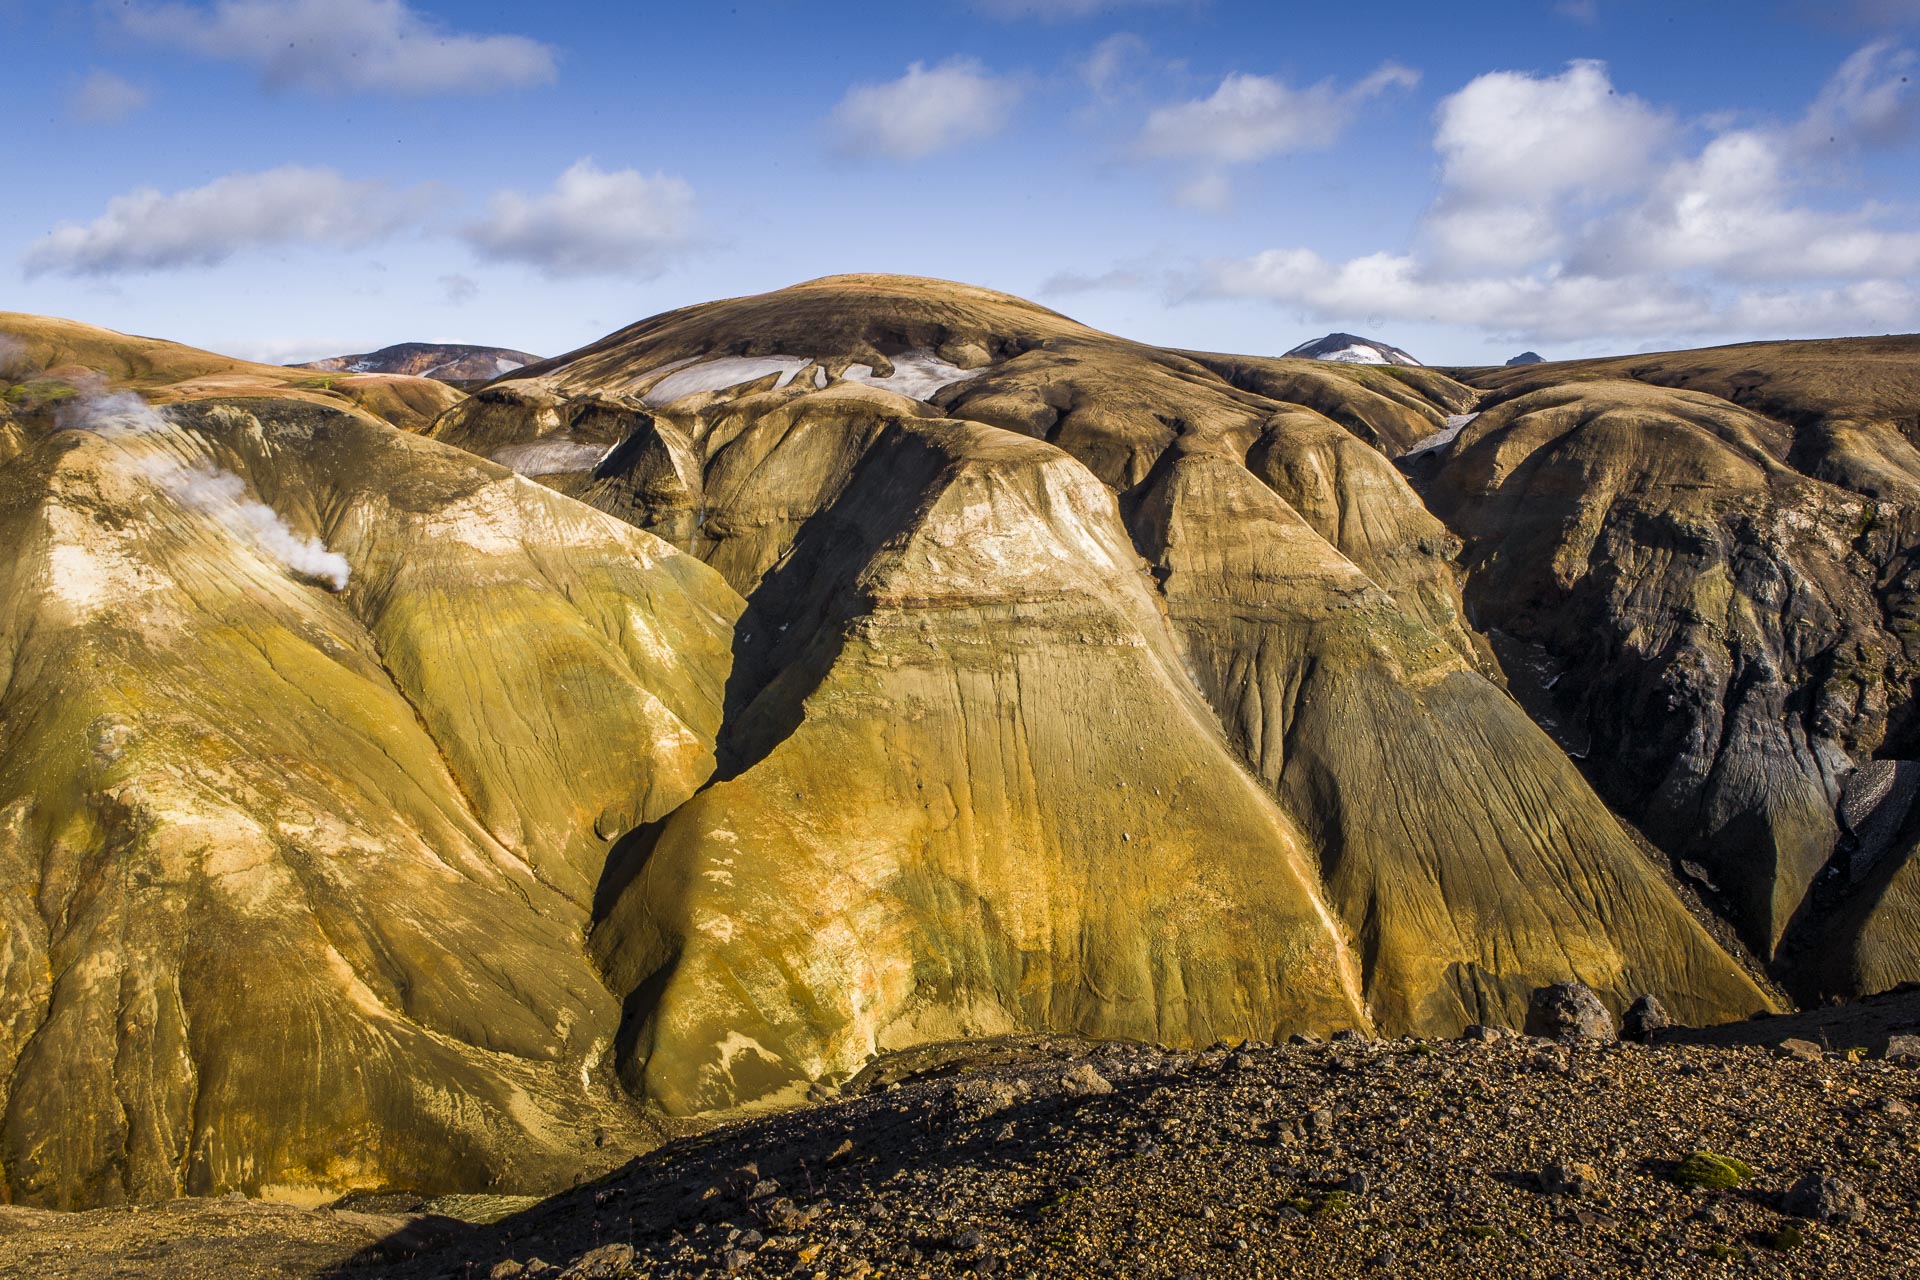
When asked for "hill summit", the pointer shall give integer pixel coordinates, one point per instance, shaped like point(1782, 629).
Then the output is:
point(446, 361)
point(1348, 348)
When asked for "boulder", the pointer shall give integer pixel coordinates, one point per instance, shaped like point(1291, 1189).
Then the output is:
point(1824, 1198)
point(1568, 1011)
point(1645, 1018)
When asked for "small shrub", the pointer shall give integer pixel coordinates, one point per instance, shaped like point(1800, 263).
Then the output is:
point(1712, 1172)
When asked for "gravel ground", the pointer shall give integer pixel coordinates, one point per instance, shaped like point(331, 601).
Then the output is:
point(1471, 1158)
point(1399, 1158)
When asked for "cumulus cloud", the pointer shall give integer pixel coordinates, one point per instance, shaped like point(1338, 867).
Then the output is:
point(104, 98)
point(593, 221)
point(149, 230)
point(1253, 117)
point(340, 45)
point(1871, 100)
point(1518, 152)
point(1567, 209)
point(927, 110)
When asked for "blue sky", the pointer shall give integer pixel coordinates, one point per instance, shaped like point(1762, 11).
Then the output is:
point(286, 179)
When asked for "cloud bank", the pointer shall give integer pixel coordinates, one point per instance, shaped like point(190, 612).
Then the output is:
point(345, 45)
point(148, 230)
point(592, 222)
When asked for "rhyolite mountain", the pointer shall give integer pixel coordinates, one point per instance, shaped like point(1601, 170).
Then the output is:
point(882, 661)
point(1527, 357)
point(1347, 348)
point(446, 361)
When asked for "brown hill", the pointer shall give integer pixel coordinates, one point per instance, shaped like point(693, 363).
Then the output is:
point(46, 349)
point(897, 474)
point(446, 361)
point(312, 733)
point(1708, 555)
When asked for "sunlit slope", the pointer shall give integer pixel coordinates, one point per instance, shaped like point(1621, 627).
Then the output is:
point(296, 881)
point(36, 347)
point(1297, 598)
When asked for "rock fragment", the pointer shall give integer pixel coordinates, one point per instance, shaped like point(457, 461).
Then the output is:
point(1568, 1011)
point(1644, 1019)
point(1824, 1198)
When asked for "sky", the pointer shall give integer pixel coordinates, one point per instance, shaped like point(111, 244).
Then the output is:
point(290, 179)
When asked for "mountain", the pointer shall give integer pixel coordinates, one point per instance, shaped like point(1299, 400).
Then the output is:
point(1349, 349)
point(1079, 681)
point(1702, 563)
point(312, 736)
point(447, 361)
point(1527, 357)
point(884, 661)
point(42, 350)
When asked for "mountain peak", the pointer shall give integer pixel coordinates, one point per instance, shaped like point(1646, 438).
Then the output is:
point(1349, 348)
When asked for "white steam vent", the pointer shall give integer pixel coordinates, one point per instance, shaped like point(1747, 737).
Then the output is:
point(210, 491)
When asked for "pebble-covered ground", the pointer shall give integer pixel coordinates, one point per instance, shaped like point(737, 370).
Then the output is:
point(1513, 1157)
point(1471, 1158)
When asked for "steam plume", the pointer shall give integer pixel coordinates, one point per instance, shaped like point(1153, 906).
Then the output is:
point(218, 494)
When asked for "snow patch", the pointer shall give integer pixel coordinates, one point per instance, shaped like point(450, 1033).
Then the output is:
point(1443, 437)
point(550, 457)
point(1355, 355)
point(916, 374)
point(721, 374)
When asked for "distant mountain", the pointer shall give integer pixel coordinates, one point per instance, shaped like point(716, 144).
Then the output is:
point(1527, 357)
point(447, 361)
point(1349, 349)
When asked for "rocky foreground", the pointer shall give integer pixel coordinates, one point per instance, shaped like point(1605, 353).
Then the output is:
point(1492, 1155)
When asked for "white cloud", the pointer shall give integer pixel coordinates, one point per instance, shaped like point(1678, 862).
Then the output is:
point(148, 230)
point(1568, 210)
point(1870, 100)
point(929, 109)
point(334, 45)
point(593, 221)
point(1508, 135)
point(1729, 210)
point(1063, 10)
point(1251, 118)
point(105, 98)
point(1112, 64)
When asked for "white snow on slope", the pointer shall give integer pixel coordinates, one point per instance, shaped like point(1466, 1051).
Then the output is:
point(550, 457)
point(1355, 355)
point(1443, 437)
point(916, 374)
point(718, 375)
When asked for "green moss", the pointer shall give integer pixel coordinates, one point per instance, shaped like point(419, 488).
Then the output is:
point(37, 391)
point(1722, 1252)
point(1783, 1239)
point(1715, 1172)
point(1333, 1202)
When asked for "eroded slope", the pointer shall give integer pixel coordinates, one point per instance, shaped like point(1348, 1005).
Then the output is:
point(296, 871)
